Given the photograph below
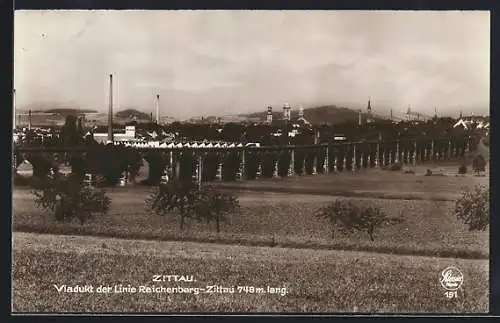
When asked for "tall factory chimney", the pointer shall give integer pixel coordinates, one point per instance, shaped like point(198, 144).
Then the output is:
point(157, 109)
point(14, 109)
point(360, 118)
point(80, 124)
point(110, 112)
point(29, 119)
point(269, 116)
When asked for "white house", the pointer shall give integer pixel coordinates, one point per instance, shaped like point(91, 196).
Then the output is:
point(128, 136)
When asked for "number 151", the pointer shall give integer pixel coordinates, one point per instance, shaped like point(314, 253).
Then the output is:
point(451, 294)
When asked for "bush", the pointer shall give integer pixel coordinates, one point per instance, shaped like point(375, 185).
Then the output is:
point(212, 204)
point(180, 196)
point(371, 218)
point(479, 164)
point(428, 172)
point(348, 218)
point(473, 208)
point(185, 198)
point(462, 170)
point(396, 166)
point(68, 198)
point(338, 213)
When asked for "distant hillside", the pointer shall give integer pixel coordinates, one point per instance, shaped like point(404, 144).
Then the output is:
point(67, 111)
point(132, 113)
point(330, 114)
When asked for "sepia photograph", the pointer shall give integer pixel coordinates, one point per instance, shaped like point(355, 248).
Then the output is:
point(250, 161)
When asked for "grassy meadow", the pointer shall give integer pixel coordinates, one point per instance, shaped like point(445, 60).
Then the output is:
point(313, 280)
point(274, 240)
point(429, 227)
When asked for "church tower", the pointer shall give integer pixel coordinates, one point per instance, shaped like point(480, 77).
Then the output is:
point(369, 116)
point(301, 112)
point(269, 116)
point(287, 112)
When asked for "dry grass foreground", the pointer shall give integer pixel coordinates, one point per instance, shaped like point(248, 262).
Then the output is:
point(314, 281)
point(273, 219)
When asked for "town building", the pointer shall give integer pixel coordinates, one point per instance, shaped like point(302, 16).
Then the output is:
point(469, 123)
point(301, 120)
point(128, 136)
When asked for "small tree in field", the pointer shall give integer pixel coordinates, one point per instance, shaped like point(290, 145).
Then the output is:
point(479, 164)
point(180, 196)
point(370, 218)
point(215, 205)
point(68, 198)
point(473, 208)
point(348, 218)
point(338, 214)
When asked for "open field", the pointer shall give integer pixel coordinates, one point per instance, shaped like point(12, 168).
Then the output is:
point(274, 219)
point(398, 272)
point(314, 281)
point(376, 183)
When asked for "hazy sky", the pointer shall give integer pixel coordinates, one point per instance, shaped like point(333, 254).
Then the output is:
point(228, 62)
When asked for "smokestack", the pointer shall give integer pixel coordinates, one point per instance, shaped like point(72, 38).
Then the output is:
point(360, 120)
point(29, 119)
point(14, 108)
point(110, 112)
point(157, 109)
point(80, 126)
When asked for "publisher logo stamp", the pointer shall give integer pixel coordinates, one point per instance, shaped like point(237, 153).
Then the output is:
point(451, 278)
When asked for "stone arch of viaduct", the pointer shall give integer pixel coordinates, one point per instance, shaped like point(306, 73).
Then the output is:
point(246, 163)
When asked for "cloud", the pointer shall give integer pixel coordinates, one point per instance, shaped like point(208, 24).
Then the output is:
point(216, 62)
